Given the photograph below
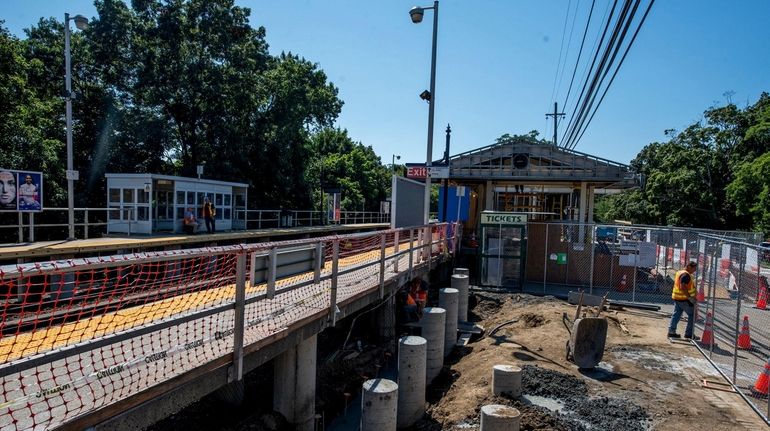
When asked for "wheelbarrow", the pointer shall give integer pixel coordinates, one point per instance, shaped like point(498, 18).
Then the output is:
point(588, 336)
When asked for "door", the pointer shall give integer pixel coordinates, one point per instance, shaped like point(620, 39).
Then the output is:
point(502, 256)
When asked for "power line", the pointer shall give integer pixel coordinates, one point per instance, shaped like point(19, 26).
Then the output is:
point(633, 38)
point(593, 63)
point(566, 52)
point(580, 52)
point(561, 49)
point(608, 58)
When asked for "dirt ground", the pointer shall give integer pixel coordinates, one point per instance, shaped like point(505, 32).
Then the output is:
point(644, 381)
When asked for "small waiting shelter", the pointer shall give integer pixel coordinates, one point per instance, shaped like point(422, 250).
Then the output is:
point(149, 203)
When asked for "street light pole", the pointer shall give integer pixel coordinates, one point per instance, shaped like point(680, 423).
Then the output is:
point(81, 22)
point(393, 163)
point(416, 14)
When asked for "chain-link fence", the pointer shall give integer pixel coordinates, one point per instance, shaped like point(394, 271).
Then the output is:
point(734, 318)
point(625, 262)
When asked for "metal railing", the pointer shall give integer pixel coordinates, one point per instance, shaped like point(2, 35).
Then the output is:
point(84, 334)
point(51, 223)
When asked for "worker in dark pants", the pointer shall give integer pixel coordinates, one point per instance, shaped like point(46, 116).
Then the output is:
point(683, 294)
point(209, 212)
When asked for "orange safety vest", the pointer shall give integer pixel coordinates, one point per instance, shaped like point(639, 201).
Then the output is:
point(422, 296)
point(683, 292)
point(410, 300)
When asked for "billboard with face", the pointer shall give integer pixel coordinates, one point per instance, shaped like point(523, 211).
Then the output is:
point(21, 190)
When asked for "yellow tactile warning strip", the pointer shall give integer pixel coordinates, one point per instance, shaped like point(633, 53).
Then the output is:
point(19, 346)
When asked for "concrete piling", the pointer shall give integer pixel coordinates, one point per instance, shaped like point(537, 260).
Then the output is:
point(447, 299)
point(294, 388)
point(433, 324)
point(496, 417)
point(460, 282)
point(506, 378)
point(378, 405)
point(461, 271)
point(412, 351)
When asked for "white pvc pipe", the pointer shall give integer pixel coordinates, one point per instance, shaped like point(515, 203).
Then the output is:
point(378, 405)
point(448, 300)
point(496, 417)
point(506, 378)
point(412, 351)
point(433, 324)
point(460, 282)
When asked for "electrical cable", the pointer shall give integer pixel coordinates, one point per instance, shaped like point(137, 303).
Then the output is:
point(580, 52)
point(566, 52)
point(633, 38)
point(593, 62)
point(608, 58)
point(561, 48)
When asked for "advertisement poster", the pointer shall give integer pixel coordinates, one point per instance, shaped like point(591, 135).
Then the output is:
point(21, 191)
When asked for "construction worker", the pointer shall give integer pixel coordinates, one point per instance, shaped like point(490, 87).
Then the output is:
point(683, 295)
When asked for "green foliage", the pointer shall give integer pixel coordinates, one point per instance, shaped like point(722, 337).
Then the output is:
point(162, 86)
point(709, 175)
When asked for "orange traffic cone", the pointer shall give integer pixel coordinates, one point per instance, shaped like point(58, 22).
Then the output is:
point(762, 298)
point(622, 287)
point(744, 339)
point(708, 331)
point(763, 381)
point(701, 296)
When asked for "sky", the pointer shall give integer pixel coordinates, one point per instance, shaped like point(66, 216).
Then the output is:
point(497, 66)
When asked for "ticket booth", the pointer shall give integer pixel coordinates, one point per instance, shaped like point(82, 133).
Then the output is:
point(503, 248)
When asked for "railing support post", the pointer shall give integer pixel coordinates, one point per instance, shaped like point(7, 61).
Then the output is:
point(319, 262)
point(335, 274)
point(272, 267)
point(382, 265)
point(85, 224)
point(395, 251)
point(236, 370)
point(411, 251)
point(21, 227)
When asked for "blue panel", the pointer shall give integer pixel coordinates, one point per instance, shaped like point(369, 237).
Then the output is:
point(464, 202)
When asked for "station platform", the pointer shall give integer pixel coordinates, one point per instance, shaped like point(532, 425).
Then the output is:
point(25, 252)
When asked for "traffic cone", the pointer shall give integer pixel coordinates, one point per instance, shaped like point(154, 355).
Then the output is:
point(622, 287)
point(762, 298)
point(708, 331)
point(763, 381)
point(701, 296)
point(744, 339)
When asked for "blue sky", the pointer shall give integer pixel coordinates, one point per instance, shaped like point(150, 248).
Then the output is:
point(497, 62)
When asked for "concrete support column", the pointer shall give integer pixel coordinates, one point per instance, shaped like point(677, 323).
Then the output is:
point(433, 324)
point(447, 299)
point(461, 271)
point(294, 384)
point(496, 417)
point(591, 198)
point(460, 282)
point(378, 405)
point(412, 364)
point(386, 323)
point(506, 378)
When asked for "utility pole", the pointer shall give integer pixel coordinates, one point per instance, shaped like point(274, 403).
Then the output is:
point(556, 114)
point(446, 163)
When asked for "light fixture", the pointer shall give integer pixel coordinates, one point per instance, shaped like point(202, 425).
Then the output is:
point(417, 13)
point(425, 95)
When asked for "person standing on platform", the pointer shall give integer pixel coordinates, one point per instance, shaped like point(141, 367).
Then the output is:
point(684, 296)
point(209, 212)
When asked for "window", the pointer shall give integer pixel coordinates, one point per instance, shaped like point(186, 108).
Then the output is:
point(114, 213)
point(180, 198)
point(180, 212)
point(115, 196)
point(142, 213)
point(128, 196)
point(227, 213)
point(219, 200)
point(142, 196)
point(227, 200)
point(200, 198)
point(191, 198)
